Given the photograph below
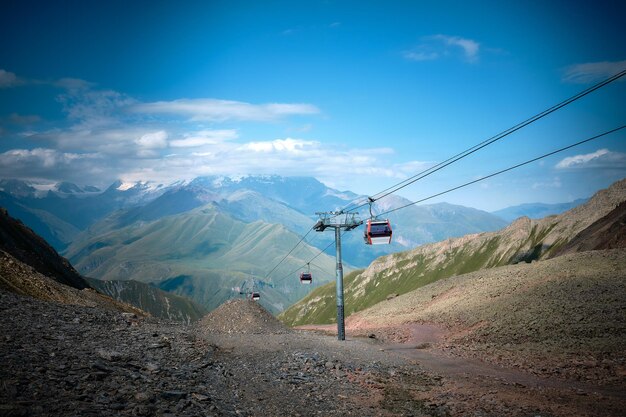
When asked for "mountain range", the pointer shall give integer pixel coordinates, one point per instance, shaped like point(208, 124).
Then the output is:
point(60, 217)
point(536, 210)
point(204, 238)
point(525, 240)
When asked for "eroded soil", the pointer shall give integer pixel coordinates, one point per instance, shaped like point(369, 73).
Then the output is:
point(60, 360)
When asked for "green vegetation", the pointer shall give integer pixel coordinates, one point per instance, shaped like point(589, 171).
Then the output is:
point(406, 274)
point(152, 300)
point(203, 254)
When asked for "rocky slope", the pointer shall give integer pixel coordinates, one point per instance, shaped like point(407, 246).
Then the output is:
point(64, 360)
point(17, 277)
point(240, 316)
point(60, 360)
point(32, 267)
point(562, 316)
point(26, 246)
point(609, 232)
point(525, 240)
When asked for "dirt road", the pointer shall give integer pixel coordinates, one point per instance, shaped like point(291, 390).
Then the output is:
point(473, 387)
point(64, 360)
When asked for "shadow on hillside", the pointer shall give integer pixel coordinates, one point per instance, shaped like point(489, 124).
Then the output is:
point(530, 255)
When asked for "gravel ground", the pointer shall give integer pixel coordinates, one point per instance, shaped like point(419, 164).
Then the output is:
point(69, 360)
point(72, 360)
point(564, 317)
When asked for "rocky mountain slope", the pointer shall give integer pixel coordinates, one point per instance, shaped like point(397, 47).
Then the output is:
point(26, 246)
point(20, 278)
point(609, 232)
point(563, 316)
point(32, 267)
point(525, 240)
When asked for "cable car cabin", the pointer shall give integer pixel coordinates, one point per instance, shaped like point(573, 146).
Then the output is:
point(305, 278)
point(255, 296)
point(378, 232)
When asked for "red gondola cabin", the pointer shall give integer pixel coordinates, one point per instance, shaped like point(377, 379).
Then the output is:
point(305, 278)
point(255, 296)
point(378, 232)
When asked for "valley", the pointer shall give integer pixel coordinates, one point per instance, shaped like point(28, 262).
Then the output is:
point(311, 209)
point(202, 239)
point(528, 320)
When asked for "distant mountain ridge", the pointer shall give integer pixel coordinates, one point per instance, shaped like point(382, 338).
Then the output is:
point(93, 225)
point(292, 201)
point(536, 210)
point(202, 253)
point(524, 240)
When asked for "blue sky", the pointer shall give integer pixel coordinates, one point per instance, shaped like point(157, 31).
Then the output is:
point(357, 94)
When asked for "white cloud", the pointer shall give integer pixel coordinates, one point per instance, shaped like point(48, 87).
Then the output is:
point(153, 140)
point(470, 47)
point(602, 158)
point(280, 145)
point(592, 71)
point(109, 135)
point(439, 46)
point(44, 163)
point(416, 55)
point(578, 160)
point(8, 79)
point(222, 110)
point(204, 137)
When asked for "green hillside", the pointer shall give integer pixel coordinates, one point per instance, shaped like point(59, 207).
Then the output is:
point(150, 299)
point(525, 240)
point(203, 254)
point(409, 273)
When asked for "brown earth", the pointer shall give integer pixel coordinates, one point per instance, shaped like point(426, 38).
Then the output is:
point(608, 232)
point(17, 277)
point(563, 317)
point(72, 360)
point(242, 317)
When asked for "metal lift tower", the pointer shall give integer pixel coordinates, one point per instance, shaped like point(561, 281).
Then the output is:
point(338, 220)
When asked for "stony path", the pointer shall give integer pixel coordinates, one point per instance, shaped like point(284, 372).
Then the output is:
point(60, 360)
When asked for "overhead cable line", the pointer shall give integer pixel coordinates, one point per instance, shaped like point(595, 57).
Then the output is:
point(308, 262)
point(457, 157)
point(289, 253)
point(506, 170)
point(453, 189)
point(469, 151)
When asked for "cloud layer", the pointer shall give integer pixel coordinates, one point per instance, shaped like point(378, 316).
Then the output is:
point(602, 158)
point(223, 110)
point(108, 135)
point(592, 71)
point(440, 46)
